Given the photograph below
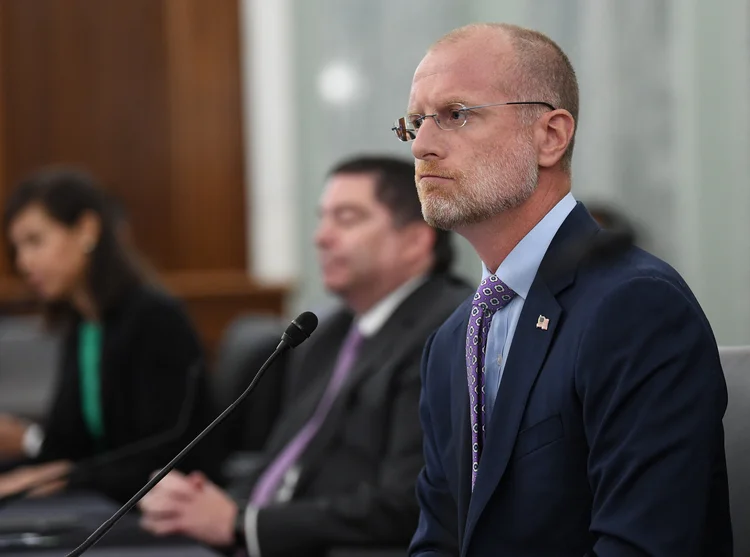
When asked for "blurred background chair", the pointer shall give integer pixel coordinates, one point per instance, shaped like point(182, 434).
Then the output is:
point(28, 365)
point(366, 552)
point(244, 347)
point(736, 363)
point(28, 360)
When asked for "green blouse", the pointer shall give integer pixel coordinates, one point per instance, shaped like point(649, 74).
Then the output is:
point(89, 358)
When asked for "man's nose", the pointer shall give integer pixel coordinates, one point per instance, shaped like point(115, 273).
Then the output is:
point(429, 143)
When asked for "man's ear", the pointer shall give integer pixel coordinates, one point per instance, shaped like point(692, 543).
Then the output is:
point(553, 135)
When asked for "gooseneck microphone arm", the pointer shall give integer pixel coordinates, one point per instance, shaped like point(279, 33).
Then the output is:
point(297, 332)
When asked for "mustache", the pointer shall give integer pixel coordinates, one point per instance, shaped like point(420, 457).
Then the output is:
point(428, 168)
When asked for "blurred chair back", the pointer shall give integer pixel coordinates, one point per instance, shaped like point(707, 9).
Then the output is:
point(245, 346)
point(736, 363)
point(28, 366)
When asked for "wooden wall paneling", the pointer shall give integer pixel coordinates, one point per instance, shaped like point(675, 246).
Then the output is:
point(207, 189)
point(132, 117)
point(147, 95)
point(4, 263)
point(87, 87)
point(214, 299)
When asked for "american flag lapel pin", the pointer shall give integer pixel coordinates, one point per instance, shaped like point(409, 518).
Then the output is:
point(542, 323)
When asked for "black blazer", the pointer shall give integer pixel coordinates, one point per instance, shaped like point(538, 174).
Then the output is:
point(357, 476)
point(606, 439)
point(148, 349)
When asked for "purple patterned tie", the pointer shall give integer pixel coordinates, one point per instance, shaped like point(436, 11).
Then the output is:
point(267, 486)
point(491, 296)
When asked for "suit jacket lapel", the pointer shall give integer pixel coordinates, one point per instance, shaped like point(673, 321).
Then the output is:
point(364, 366)
point(461, 422)
point(376, 356)
point(527, 355)
point(308, 387)
point(378, 351)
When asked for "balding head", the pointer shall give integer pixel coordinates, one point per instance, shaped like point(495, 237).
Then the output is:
point(530, 67)
point(489, 138)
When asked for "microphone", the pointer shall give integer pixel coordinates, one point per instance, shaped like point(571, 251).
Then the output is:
point(84, 467)
point(296, 333)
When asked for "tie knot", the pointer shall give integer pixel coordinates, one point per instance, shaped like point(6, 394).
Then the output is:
point(492, 295)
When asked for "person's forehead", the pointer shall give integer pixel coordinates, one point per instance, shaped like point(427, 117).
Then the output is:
point(346, 187)
point(32, 214)
point(461, 72)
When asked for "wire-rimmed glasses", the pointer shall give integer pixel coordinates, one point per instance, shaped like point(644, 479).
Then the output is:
point(449, 118)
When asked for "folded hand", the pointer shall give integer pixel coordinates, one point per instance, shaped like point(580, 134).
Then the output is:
point(190, 506)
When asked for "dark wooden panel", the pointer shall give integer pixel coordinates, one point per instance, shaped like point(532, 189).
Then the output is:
point(206, 136)
point(86, 84)
point(4, 264)
point(146, 94)
point(215, 299)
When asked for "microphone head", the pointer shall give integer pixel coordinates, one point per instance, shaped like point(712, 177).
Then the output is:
point(300, 328)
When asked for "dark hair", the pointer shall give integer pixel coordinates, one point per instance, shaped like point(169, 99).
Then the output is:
point(610, 218)
point(395, 188)
point(66, 195)
point(117, 209)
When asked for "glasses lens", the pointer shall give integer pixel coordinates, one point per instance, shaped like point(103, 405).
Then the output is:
point(404, 130)
point(452, 116)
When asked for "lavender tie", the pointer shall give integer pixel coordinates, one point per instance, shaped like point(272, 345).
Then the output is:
point(491, 296)
point(267, 486)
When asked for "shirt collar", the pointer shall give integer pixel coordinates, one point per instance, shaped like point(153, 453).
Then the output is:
point(370, 322)
point(519, 268)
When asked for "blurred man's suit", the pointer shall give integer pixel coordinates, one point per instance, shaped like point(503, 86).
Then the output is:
point(606, 437)
point(355, 481)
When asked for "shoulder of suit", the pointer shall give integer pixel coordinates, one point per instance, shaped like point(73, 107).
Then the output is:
point(635, 264)
point(445, 289)
point(637, 274)
point(439, 299)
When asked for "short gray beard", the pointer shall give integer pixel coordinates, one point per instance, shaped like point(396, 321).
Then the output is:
point(498, 186)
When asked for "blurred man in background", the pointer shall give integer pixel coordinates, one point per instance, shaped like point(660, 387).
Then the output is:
point(342, 461)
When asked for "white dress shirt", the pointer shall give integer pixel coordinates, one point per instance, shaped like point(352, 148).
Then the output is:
point(518, 271)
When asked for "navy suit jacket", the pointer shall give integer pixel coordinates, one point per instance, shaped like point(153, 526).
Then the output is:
point(606, 439)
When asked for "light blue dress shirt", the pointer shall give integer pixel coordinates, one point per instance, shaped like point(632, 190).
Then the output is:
point(517, 271)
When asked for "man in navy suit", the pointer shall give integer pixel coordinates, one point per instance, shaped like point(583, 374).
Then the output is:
point(574, 407)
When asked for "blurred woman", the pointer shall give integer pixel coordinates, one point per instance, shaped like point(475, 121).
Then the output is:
point(131, 364)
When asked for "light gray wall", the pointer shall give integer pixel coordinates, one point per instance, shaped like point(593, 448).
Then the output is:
point(664, 130)
point(384, 42)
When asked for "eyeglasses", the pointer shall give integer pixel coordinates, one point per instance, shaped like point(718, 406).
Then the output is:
point(449, 118)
